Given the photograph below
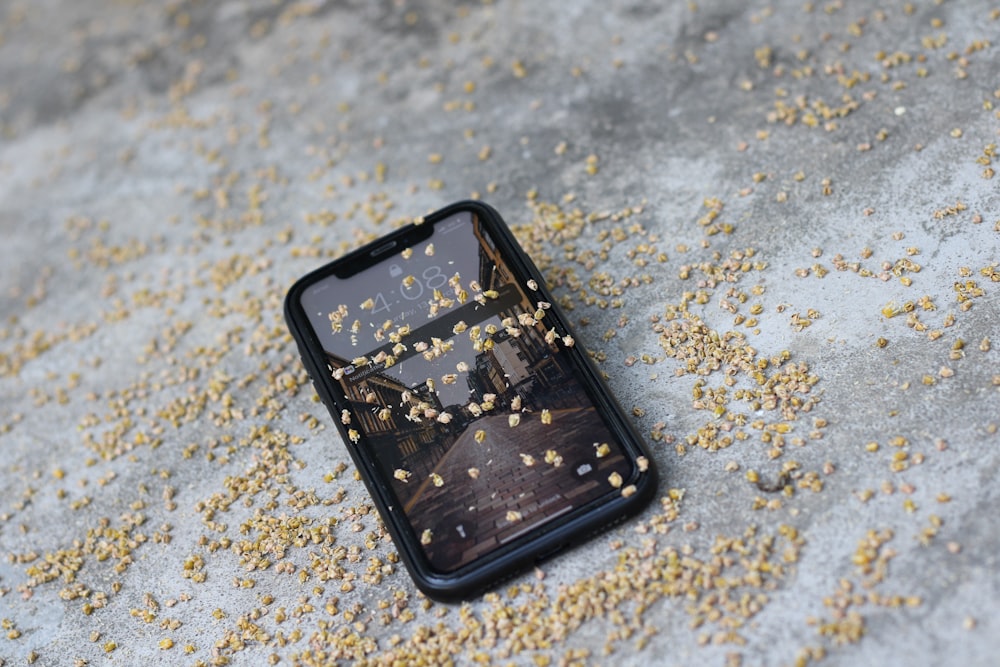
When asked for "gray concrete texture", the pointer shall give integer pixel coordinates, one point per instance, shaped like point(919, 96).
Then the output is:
point(776, 223)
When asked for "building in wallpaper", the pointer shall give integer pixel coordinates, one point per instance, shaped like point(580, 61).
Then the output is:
point(527, 354)
point(398, 441)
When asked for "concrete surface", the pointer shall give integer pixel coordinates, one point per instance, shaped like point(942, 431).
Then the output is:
point(172, 494)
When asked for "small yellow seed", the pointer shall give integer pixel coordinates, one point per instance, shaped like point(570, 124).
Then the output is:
point(891, 309)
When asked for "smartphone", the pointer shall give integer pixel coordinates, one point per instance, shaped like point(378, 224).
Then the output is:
point(482, 430)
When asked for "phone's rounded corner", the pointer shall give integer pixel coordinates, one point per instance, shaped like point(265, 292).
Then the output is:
point(477, 206)
point(646, 484)
point(467, 204)
point(442, 589)
point(474, 580)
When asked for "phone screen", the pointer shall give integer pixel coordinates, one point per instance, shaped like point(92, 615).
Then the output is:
point(459, 393)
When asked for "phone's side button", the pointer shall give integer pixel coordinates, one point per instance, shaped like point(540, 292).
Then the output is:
point(312, 379)
point(322, 398)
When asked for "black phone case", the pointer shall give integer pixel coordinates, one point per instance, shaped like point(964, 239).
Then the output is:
point(541, 543)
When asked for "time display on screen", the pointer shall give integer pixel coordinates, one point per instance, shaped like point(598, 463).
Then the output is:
point(411, 288)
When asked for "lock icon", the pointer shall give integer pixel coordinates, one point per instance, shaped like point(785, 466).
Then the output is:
point(395, 270)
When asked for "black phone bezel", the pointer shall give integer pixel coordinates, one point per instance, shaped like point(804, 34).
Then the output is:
point(534, 546)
